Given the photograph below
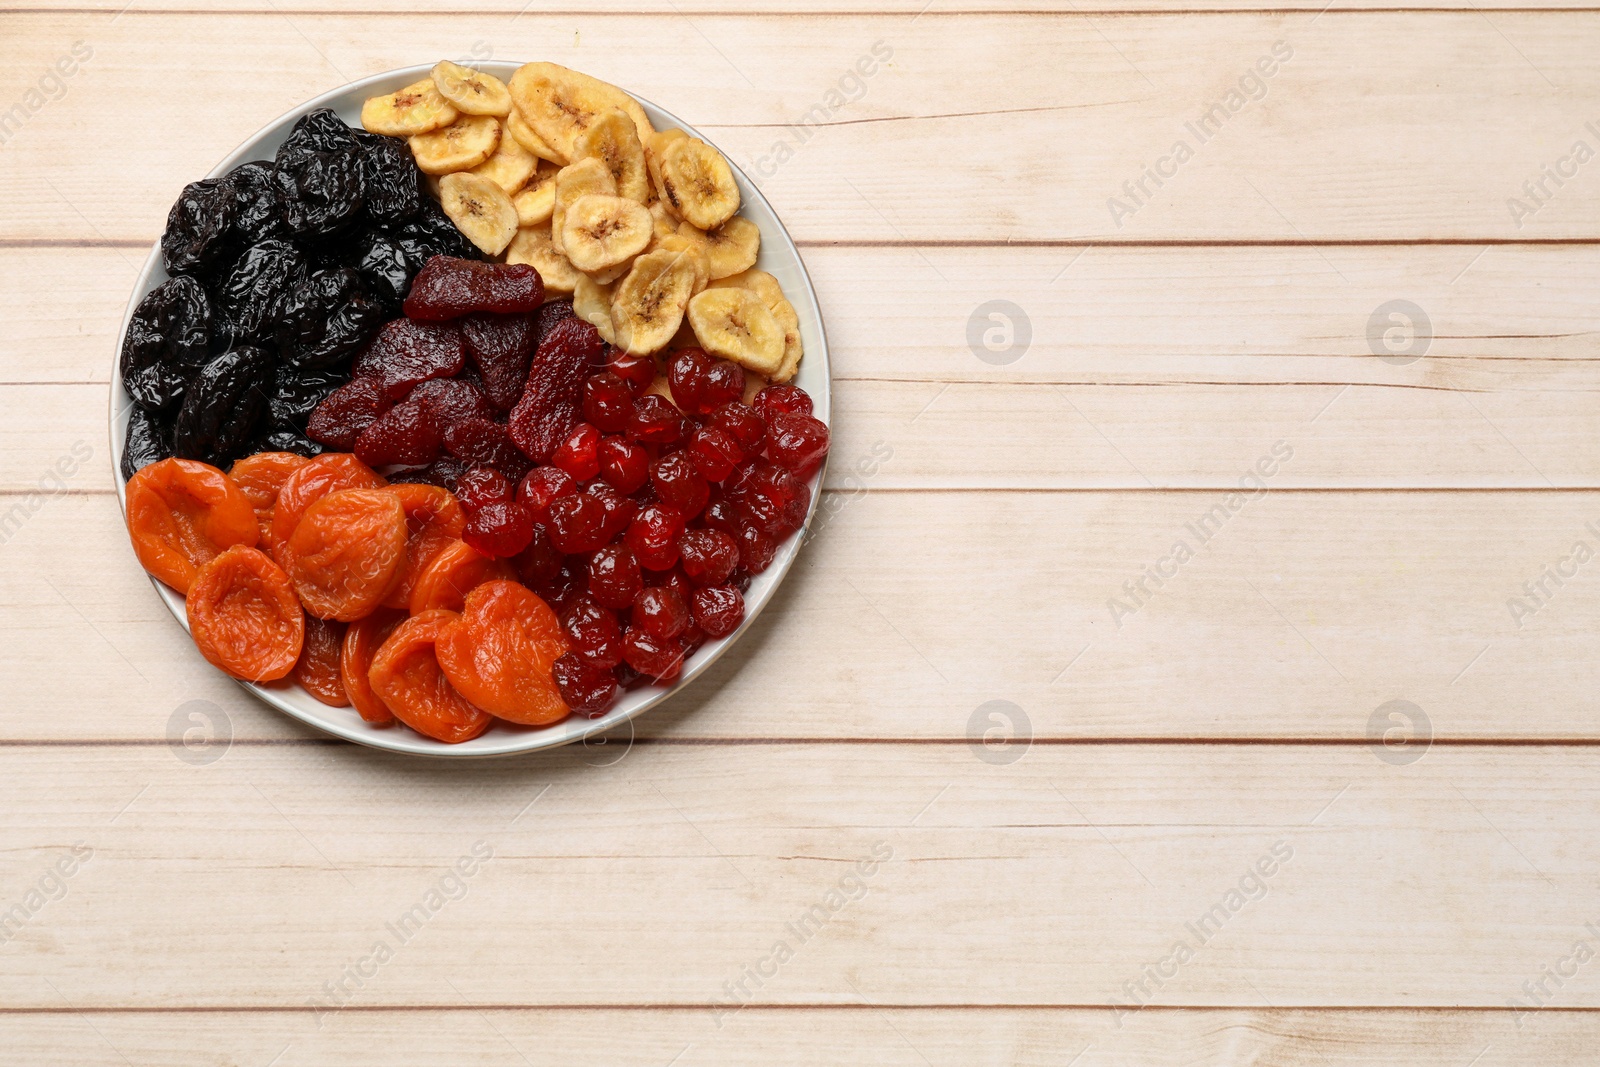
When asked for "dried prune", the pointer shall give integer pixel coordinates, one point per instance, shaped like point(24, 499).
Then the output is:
point(327, 318)
point(296, 394)
point(482, 441)
point(251, 297)
point(286, 439)
point(382, 264)
point(257, 211)
point(319, 131)
point(168, 336)
point(448, 288)
point(502, 347)
point(347, 411)
point(431, 233)
point(553, 400)
point(391, 182)
point(199, 227)
point(452, 400)
point(405, 354)
point(220, 410)
point(149, 439)
point(321, 191)
point(407, 434)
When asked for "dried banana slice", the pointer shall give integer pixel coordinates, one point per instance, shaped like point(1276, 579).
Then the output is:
point(532, 246)
point(480, 209)
point(418, 108)
point(588, 177)
point(647, 306)
point(696, 251)
point(655, 147)
point(599, 232)
point(560, 104)
point(591, 302)
point(767, 288)
point(665, 224)
point(461, 145)
point(531, 141)
point(613, 139)
point(697, 183)
point(731, 248)
point(536, 202)
point(511, 165)
point(472, 92)
point(736, 325)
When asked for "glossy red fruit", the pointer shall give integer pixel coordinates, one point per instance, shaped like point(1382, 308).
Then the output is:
point(614, 578)
point(717, 610)
point(623, 464)
point(538, 563)
point(501, 347)
point(686, 377)
point(660, 658)
point(656, 422)
point(480, 486)
point(740, 422)
point(484, 442)
point(551, 403)
point(593, 631)
point(448, 288)
point(638, 371)
point(673, 578)
point(708, 556)
point(620, 510)
point(756, 549)
point(408, 434)
point(796, 442)
point(567, 582)
point(679, 484)
point(661, 612)
point(342, 416)
point(404, 354)
point(653, 536)
point(587, 689)
point(500, 530)
point(721, 515)
point(713, 452)
point(579, 454)
point(577, 523)
point(542, 487)
point(607, 402)
point(781, 398)
point(723, 384)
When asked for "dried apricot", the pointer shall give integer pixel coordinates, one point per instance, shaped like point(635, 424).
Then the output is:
point(347, 552)
point(433, 519)
point(244, 617)
point(500, 654)
point(361, 643)
point(181, 514)
point(455, 570)
point(318, 666)
point(328, 473)
point(405, 674)
point(260, 477)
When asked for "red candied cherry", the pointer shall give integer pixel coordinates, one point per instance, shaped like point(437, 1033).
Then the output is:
point(796, 442)
point(608, 402)
point(624, 464)
point(587, 690)
point(542, 487)
point(614, 578)
point(756, 549)
point(692, 638)
point(661, 612)
point(686, 377)
point(638, 371)
point(708, 556)
point(718, 610)
point(579, 454)
point(500, 529)
point(674, 579)
point(593, 632)
point(740, 422)
point(538, 563)
point(722, 515)
point(679, 484)
point(483, 485)
point(770, 498)
point(781, 398)
point(713, 452)
point(566, 583)
point(656, 422)
point(660, 658)
point(653, 536)
point(577, 523)
point(723, 384)
point(619, 509)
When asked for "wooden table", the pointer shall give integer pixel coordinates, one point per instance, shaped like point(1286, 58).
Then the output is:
point(1002, 764)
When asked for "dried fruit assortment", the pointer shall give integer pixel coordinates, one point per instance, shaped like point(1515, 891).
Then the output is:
point(496, 456)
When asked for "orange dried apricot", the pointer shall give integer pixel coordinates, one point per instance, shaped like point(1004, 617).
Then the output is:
point(499, 655)
point(361, 643)
point(347, 552)
point(244, 617)
point(260, 477)
point(328, 473)
point(455, 570)
point(433, 520)
point(182, 514)
point(405, 674)
point(318, 666)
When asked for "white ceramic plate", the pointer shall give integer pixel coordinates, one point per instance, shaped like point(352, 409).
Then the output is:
point(779, 257)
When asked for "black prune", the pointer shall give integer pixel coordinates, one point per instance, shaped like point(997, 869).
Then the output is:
point(251, 298)
point(169, 336)
point(391, 183)
point(257, 212)
point(199, 227)
point(296, 394)
point(223, 406)
point(320, 131)
point(286, 439)
point(327, 318)
point(149, 440)
point(384, 266)
point(321, 192)
point(431, 234)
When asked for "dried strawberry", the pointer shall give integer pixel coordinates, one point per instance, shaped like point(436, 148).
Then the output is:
point(448, 288)
point(453, 400)
point(501, 346)
point(547, 316)
point(407, 434)
point(346, 412)
point(551, 404)
point(488, 443)
point(406, 354)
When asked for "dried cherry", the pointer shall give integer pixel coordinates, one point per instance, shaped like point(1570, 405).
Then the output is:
point(587, 689)
point(501, 529)
point(717, 610)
